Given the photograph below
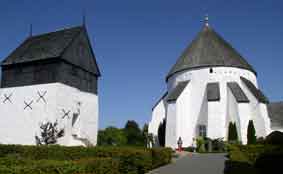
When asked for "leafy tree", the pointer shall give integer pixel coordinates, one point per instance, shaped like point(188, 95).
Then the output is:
point(232, 132)
point(251, 133)
point(50, 133)
point(111, 136)
point(162, 132)
point(133, 134)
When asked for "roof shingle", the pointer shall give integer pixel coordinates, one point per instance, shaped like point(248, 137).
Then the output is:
point(209, 49)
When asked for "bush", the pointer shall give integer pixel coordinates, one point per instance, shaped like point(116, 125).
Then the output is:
point(126, 159)
point(101, 165)
point(274, 138)
point(270, 162)
point(161, 156)
point(200, 144)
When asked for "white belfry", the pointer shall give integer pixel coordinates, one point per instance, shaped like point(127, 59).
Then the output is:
point(210, 86)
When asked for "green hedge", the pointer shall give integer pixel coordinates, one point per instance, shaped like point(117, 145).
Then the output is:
point(161, 156)
point(254, 158)
point(20, 166)
point(73, 159)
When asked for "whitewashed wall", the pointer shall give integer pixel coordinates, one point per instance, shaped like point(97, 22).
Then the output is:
point(19, 125)
point(192, 108)
point(158, 114)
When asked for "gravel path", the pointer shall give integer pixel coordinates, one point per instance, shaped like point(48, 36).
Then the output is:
point(195, 164)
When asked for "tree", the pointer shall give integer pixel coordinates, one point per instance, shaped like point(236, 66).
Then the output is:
point(162, 132)
point(50, 133)
point(232, 132)
point(111, 136)
point(251, 133)
point(133, 134)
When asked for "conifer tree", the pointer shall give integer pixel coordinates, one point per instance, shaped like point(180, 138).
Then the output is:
point(251, 133)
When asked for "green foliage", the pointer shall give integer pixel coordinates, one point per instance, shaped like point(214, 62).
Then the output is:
point(161, 156)
point(254, 159)
point(133, 134)
point(147, 137)
point(161, 133)
point(251, 135)
point(200, 144)
point(93, 165)
point(49, 133)
point(73, 160)
point(232, 132)
point(111, 136)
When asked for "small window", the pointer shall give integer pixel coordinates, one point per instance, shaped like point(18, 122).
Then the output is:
point(210, 70)
point(202, 130)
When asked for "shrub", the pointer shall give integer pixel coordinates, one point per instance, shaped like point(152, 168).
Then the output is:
point(125, 159)
point(200, 144)
point(270, 162)
point(101, 165)
point(161, 156)
point(251, 133)
point(274, 138)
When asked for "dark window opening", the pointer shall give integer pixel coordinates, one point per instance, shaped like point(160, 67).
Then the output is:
point(210, 70)
point(202, 130)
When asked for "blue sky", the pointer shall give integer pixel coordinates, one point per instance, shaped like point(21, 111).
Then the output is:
point(137, 41)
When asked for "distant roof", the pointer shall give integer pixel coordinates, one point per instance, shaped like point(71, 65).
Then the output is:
point(238, 93)
point(256, 92)
point(209, 49)
point(47, 46)
point(213, 92)
point(275, 111)
point(177, 91)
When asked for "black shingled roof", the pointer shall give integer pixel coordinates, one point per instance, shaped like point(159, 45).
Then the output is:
point(48, 46)
point(275, 112)
point(177, 91)
point(209, 49)
point(256, 92)
point(213, 92)
point(238, 93)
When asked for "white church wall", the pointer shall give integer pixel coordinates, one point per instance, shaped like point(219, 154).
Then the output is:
point(171, 126)
point(258, 113)
point(232, 114)
point(158, 114)
point(56, 101)
point(185, 117)
point(191, 110)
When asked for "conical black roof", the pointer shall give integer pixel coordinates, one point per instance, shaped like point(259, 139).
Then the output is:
point(209, 49)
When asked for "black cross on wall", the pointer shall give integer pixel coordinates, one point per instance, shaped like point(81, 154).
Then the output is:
point(41, 96)
point(66, 113)
point(28, 105)
point(7, 98)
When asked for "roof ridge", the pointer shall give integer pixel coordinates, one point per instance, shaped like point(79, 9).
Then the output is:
point(56, 31)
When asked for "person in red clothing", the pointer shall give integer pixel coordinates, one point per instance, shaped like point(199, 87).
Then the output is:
point(180, 143)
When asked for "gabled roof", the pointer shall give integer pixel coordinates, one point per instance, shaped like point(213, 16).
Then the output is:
point(213, 92)
point(49, 46)
point(237, 92)
point(177, 91)
point(256, 92)
point(209, 49)
point(275, 112)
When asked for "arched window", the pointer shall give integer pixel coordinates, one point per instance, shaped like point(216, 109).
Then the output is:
point(210, 70)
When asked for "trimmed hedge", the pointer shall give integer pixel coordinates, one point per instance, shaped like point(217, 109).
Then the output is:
point(101, 165)
point(80, 159)
point(254, 158)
